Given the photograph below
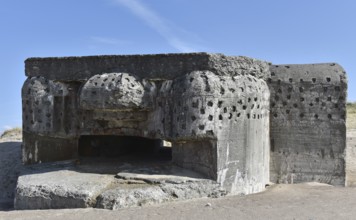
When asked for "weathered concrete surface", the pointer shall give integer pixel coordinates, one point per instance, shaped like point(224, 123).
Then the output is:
point(154, 194)
point(122, 198)
point(117, 91)
point(59, 189)
point(73, 184)
point(223, 115)
point(308, 132)
point(351, 158)
point(162, 173)
point(188, 99)
point(219, 128)
point(39, 148)
point(156, 66)
point(165, 185)
point(278, 202)
point(67, 185)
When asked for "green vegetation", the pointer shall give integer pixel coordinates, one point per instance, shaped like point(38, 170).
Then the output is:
point(12, 133)
point(351, 115)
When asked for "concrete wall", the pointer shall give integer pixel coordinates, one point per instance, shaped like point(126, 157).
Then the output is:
point(213, 108)
point(231, 112)
point(235, 119)
point(50, 120)
point(308, 130)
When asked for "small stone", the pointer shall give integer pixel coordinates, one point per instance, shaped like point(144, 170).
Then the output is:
point(208, 204)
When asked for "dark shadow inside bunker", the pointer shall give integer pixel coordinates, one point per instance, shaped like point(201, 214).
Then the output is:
point(120, 147)
point(110, 154)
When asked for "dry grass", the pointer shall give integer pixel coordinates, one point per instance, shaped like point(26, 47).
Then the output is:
point(12, 133)
point(351, 115)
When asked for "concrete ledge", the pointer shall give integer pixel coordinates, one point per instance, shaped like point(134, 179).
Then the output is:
point(157, 66)
point(59, 189)
point(67, 185)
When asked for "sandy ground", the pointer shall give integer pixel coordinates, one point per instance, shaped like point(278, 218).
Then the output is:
point(297, 201)
point(351, 158)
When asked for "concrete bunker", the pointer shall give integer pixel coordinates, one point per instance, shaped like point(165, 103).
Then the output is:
point(234, 119)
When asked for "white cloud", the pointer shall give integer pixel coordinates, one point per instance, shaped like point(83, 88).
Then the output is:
point(160, 25)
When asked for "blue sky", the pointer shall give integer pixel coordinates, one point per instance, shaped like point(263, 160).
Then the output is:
point(279, 31)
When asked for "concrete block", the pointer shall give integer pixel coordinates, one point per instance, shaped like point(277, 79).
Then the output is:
point(308, 132)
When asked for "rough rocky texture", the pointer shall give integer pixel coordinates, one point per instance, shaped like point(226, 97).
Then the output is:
point(71, 185)
point(117, 91)
point(156, 66)
point(218, 128)
point(213, 108)
point(167, 183)
point(59, 189)
point(222, 114)
point(147, 195)
point(279, 200)
point(308, 132)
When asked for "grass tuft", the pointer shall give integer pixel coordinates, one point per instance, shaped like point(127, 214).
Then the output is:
point(14, 132)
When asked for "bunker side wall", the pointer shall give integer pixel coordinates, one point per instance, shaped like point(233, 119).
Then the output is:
point(308, 132)
point(50, 120)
